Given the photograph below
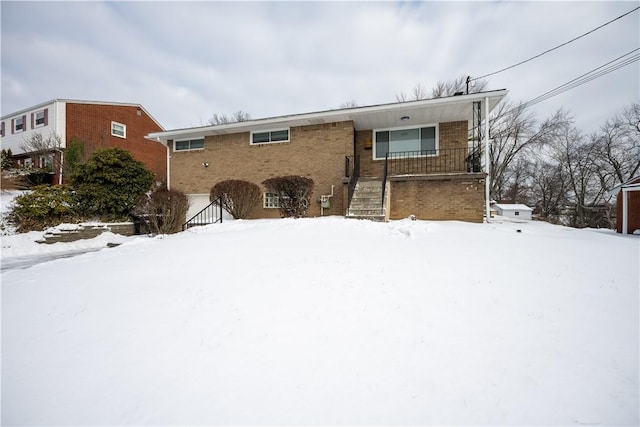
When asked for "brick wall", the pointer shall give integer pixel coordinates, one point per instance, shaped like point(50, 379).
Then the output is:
point(91, 124)
point(316, 152)
point(450, 135)
point(450, 197)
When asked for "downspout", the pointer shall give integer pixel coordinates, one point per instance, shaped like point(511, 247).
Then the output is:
point(625, 207)
point(487, 184)
point(168, 168)
point(60, 166)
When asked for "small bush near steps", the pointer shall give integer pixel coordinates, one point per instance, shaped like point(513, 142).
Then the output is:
point(239, 198)
point(163, 211)
point(294, 193)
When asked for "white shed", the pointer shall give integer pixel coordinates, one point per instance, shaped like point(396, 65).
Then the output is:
point(514, 211)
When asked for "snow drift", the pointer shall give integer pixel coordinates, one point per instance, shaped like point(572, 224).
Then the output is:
point(329, 321)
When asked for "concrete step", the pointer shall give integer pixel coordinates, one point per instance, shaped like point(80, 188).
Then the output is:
point(377, 218)
point(365, 212)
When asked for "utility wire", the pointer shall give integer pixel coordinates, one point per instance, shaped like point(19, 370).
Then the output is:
point(597, 72)
point(557, 47)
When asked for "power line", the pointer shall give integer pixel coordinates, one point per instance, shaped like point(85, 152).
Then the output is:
point(597, 72)
point(557, 47)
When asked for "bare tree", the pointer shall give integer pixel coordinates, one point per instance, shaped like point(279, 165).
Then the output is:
point(618, 146)
point(548, 187)
point(48, 148)
point(221, 119)
point(417, 93)
point(514, 132)
point(443, 89)
point(348, 104)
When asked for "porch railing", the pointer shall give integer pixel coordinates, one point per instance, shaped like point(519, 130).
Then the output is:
point(352, 171)
point(211, 214)
point(384, 178)
point(447, 160)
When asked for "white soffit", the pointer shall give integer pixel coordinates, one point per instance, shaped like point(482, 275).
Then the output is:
point(439, 110)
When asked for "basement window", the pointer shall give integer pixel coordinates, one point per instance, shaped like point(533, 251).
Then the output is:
point(271, 201)
point(266, 137)
point(188, 144)
point(118, 129)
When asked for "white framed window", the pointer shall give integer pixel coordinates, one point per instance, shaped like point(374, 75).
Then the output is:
point(19, 124)
point(414, 141)
point(118, 129)
point(188, 144)
point(39, 118)
point(271, 200)
point(269, 136)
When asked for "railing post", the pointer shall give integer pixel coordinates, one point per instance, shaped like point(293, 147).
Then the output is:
point(384, 179)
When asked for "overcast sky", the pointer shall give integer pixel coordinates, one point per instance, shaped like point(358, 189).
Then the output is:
point(185, 61)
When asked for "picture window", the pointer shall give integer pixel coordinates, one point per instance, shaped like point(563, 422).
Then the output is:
point(417, 142)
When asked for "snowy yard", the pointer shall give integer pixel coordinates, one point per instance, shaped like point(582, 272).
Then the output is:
point(328, 322)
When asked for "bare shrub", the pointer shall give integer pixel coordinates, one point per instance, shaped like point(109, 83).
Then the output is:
point(163, 211)
point(294, 193)
point(239, 197)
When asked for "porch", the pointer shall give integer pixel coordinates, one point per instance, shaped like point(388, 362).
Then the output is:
point(438, 184)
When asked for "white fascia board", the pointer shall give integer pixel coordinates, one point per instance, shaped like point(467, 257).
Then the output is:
point(326, 116)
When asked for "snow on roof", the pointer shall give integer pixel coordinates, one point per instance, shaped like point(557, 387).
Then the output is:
point(512, 207)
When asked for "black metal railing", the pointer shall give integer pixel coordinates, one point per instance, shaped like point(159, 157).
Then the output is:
point(448, 160)
point(352, 171)
point(384, 178)
point(211, 214)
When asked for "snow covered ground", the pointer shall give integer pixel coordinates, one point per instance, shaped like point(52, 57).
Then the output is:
point(329, 321)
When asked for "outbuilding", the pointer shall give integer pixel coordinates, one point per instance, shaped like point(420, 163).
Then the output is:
point(518, 211)
point(628, 205)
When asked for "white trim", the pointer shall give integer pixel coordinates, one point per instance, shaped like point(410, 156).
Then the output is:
point(35, 119)
point(124, 130)
point(487, 162)
point(391, 129)
point(23, 124)
point(270, 131)
point(264, 200)
point(328, 116)
point(625, 205)
point(188, 149)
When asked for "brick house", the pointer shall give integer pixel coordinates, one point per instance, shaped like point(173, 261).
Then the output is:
point(380, 162)
point(95, 124)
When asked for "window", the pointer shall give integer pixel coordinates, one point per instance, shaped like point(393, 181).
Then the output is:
point(118, 129)
point(19, 124)
point(517, 213)
point(271, 200)
point(266, 137)
point(188, 144)
point(421, 141)
point(39, 118)
point(2, 129)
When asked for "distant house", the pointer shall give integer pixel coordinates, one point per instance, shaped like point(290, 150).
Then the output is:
point(518, 211)
point(378, 162)
point(627, 205)
point(95, 124)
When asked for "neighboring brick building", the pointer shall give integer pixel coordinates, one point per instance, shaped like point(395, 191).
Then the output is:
point(432, 171)
point(95, 124)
